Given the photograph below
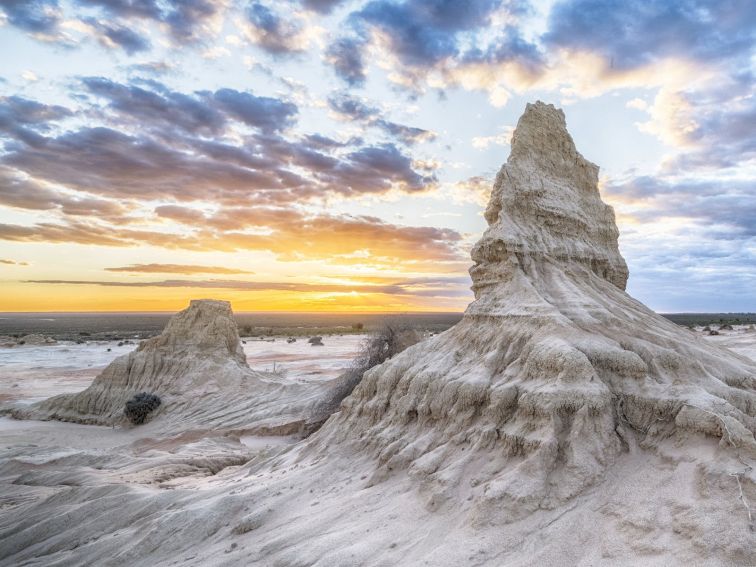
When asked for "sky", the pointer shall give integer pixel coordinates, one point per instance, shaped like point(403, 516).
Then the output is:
point(336, 155)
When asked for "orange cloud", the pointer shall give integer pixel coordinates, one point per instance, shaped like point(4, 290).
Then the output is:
point(263, 296)
point(176, 269)
point(287, 233)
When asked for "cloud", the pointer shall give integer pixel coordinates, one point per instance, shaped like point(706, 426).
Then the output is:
point(637, 33)
point(19, 191)
point(268, 114)
point(587, 48)
point(29, 76)
point(23, 119)
point(713, 127)
point(276, 33)
point(110, 163)
point(637, 103)
point(422, 287)
point(36, 16)
point(348, 107)
point(475, 189)
point(23, 111)
point(441, 44)
point(186, 21)
point(287, 233)
point(207, 113)
point(376, 169)
point(92, 233)
point(193, 20)
point(503, 139)
point(176, 269)
point(728, 205)
point(180, 214)
point(408, 135)
point(351, 107)
point(77, 173)
point(701, 206)
point(102, 160)
point(155, 68)
point(346, 55)
point(706, 125)
point(149, 9)
point(158, 107)
point(321, 142)
point(114, 35)
point(166, 157)
point(423, 33)
point(13, 262)
point(321, 6)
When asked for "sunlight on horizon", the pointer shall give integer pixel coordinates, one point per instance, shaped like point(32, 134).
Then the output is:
point(337, 156)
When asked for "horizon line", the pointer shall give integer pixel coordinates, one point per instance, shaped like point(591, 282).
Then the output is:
point(237, 312)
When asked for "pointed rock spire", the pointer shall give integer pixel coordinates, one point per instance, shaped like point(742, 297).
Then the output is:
point(545, 207)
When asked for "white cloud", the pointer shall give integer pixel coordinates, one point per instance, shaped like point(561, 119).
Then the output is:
point(215, 52)
point(503, 139)
point(637, 103)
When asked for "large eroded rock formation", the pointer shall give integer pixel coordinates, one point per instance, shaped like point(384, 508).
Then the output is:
point(554, 372)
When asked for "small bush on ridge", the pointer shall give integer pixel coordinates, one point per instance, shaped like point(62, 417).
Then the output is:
point(140, 406)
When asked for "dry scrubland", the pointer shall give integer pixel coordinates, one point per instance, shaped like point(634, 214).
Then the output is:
point(560, 422)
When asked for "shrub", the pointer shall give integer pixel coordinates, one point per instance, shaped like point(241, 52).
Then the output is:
point(389, 340)
point(140, 406)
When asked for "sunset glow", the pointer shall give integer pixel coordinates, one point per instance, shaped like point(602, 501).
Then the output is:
point(325, 155)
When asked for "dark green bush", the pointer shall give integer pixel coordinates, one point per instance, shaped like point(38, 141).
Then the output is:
point(140, 406)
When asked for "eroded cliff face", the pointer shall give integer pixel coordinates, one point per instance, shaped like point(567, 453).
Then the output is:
point(554, 373)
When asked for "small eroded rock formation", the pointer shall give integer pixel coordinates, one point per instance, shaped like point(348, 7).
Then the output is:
point(36, 340)
point(198, 369)
point(555, 374)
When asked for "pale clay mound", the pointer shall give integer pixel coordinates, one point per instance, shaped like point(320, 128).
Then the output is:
point(555, 373)
point(560, 423)
point(198, 369)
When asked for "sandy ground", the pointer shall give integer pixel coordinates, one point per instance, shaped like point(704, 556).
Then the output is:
point(32, 373)
point(94, 464)
point(741, 339)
